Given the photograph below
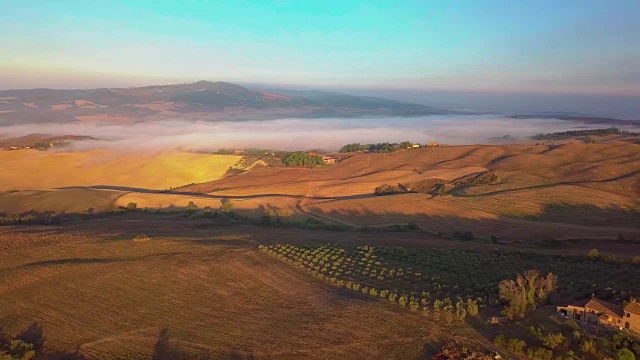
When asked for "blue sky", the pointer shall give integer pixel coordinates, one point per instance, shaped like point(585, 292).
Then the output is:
point(564, 46)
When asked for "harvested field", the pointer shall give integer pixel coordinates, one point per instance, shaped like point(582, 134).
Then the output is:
point(207, 290)
point(59, 201)
point(209, 293)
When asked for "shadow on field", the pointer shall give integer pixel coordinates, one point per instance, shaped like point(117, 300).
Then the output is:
point(88, 261)
point(166, 349)
point(34, 337)
point(72, 261)
point(210, 196)
point(555, 221)
point(238, 355)
point(221, 242)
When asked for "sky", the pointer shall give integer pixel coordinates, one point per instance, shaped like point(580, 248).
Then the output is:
point(587, 47)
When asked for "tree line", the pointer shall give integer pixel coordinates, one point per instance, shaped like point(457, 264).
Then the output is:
point(574, 133)
point(379, 147)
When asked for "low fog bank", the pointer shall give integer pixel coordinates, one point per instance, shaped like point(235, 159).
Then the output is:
point(615, 106)
point(294, 133)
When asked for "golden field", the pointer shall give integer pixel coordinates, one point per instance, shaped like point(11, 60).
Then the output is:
point(565, 191)
point(31, 169)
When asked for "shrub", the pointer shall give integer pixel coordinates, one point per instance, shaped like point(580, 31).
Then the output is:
point(500, 341)
point(414, 305)
point(472, 307)
point(191, 207)
point(141, 237)
point(625, 354)
point(461, 313)
point(226, 206)
point(386, 189)
point(588, 346)
point(412, 227)
point(18, 350)
point(623, 340)
point(526, 293)
point(132, 206)
point(552, 341)
point(539, 353)
point(516, 346)
point(594, 254)
point(465, 236)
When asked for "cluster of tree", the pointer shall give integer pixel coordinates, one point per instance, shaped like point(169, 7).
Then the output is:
point(520, 347)
point(434, 282)
point(270, 216)
point(462, 349)
point(301, 158)
point(622, 341)
point(46, 145)
point(484, 178)
point(18, 219)
point(223, 151)
point(386, 189)
point(594, 254)
point(379, 147)
point(465, 236)
point(355, 147)
point(29, 344)
point(528, 291)
point(441, 271)
point(17, 349)
point(558, 346)
point(361, 270)
point(574, 133)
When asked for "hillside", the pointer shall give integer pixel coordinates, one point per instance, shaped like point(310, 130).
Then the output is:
point(537, 192)
point(573, 190)
point(202, 99)
point(207, 293)
point(32, 169)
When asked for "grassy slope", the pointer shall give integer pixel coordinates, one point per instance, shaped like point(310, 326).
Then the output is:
point(30, 169)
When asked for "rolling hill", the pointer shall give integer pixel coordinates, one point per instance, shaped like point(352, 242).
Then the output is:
point(538, 192)
point(201, 100)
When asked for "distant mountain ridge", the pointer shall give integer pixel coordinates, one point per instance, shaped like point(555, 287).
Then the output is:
point(204, 100)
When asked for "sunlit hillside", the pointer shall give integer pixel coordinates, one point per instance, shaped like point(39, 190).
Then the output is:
point(31, 169)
